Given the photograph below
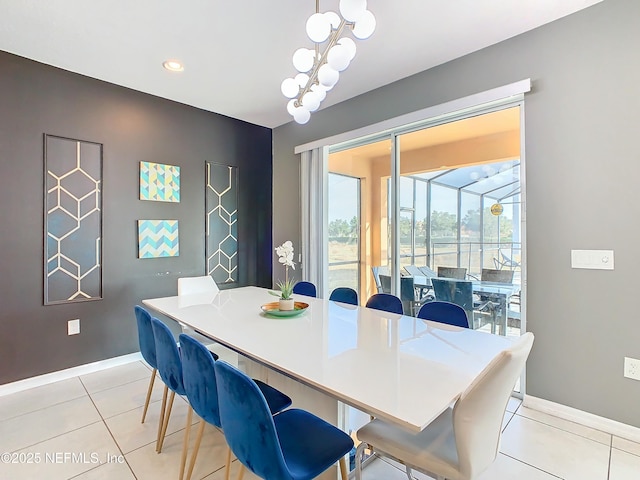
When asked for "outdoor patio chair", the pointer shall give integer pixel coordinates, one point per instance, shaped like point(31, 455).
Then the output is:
point(413, 271)
point(412, 297)
point(427, 272)
point(496, 276)
point(377, 271)
point(385, 283)
point(424, 293)
point(505, 261)
point(452, 272)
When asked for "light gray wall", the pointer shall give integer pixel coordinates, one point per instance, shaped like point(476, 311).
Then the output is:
point(582, 174)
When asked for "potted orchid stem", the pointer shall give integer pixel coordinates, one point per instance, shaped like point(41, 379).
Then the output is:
point(285, 256)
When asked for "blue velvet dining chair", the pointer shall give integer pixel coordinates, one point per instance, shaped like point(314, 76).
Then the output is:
point(293, 445)
point(170, 368)
point(305, 288)
point(444, 312)
point(386, 302)
point(147, 345)
point(344, 295)
point(199, 379)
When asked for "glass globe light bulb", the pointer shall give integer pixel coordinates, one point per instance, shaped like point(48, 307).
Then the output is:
point(319, 91)
point(338, 58)
point(303, 59)
point(350, 45)
point(301, 115)
point(352, 10)
point(310, 101)
point(333, 18)
point(318, 27)
point(365, 26)
point(289, 87)
point(291, 106)
point(327, 76)
point(301, 79)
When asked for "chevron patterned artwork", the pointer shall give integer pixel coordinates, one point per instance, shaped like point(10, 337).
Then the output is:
point(158, 238)
point(221, 206)
point(73, 220)
point(159, 182)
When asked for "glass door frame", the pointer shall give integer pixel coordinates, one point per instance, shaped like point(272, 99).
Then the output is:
point(358, 229)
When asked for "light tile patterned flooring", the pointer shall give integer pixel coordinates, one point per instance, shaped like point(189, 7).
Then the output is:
point(88, 428)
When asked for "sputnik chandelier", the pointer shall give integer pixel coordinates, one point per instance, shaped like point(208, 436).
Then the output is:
point(319, 68)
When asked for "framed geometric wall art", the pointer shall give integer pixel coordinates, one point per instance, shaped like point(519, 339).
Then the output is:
point(221, 222)
point(158, 238)
point(72, 220)
point(159, 182)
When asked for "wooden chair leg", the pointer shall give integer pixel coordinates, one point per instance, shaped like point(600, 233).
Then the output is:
point(196, 448)
point(241, 472)
point(161, 421)
point(146, 403)
point(185, 442)
point(344, 473)
point(166, 420)
point(227, 475)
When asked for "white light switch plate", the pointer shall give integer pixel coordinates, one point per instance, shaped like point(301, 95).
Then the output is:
point(73, 327)
point(593, 259)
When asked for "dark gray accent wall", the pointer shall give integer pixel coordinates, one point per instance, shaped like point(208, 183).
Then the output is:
point(582, 179)
point(133, 127)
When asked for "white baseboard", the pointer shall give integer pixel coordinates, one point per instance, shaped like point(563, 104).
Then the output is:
point(47, 378)
point(583, 418)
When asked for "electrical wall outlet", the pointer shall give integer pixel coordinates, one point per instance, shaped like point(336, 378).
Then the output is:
point(632, 368)
point(73, 327)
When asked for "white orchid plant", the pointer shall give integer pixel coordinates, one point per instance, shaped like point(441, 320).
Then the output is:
point(285, 256)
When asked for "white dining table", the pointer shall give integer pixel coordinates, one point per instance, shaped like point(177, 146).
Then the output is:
point(398, 368)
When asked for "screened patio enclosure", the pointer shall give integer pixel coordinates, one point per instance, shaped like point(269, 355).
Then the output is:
point(474, 219)
point(447, 194)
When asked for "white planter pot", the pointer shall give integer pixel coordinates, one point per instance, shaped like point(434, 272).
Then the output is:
point(286, 304)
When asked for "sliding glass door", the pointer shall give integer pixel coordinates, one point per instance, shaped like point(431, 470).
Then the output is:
point(358, 195)
point(439, 195)
point(344, 231)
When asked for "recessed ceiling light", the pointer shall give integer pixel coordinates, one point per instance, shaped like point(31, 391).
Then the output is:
point(173, 65)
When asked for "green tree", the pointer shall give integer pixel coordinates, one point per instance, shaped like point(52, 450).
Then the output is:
point(443, 224)
point(491, 232)
point(341, 228)
point(353, 227)
point(471, 220)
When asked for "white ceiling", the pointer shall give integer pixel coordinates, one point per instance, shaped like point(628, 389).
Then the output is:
point(237, 52)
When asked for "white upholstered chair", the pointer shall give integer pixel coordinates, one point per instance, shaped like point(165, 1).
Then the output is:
point(464, 440)
point(197, 290)
point(191, 285)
